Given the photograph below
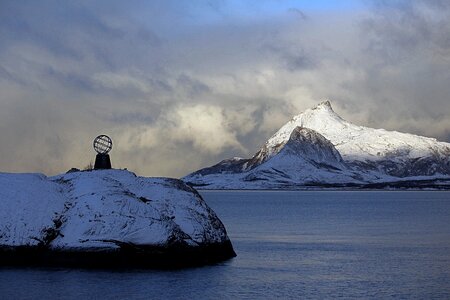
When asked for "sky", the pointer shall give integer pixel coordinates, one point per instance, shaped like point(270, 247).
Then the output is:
point(181, 85)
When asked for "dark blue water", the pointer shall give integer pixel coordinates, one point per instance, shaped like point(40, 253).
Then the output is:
point(289, 245)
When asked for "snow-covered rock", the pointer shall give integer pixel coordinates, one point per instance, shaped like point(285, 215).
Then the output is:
point(110, 216)
point(318, 147)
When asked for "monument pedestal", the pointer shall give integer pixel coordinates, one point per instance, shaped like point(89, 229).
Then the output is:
point(102, 161)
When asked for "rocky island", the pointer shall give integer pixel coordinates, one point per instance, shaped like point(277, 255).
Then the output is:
point(107, 218)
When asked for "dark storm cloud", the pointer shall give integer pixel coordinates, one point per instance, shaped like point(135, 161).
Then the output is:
point(298, 12)
point(397, 31)
point(292, 57)
point(407, 57)
point(192, 86)
point(50, 25)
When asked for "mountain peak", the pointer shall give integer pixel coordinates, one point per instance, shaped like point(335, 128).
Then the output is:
point(321, 111)
point(318, 118)
point(324, 105)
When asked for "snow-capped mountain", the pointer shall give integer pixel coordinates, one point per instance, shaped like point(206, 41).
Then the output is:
point(318, 147)
point(107, 215)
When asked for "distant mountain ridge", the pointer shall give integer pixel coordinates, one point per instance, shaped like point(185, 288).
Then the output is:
point(318, 147)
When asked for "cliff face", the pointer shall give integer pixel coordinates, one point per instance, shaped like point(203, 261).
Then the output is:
point(304, 143)
point(318, 147)
point(125, 218)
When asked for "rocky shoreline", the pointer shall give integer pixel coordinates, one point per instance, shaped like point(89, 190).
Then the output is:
point(128, 256)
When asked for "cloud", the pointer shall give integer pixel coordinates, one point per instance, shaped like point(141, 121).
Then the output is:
point(120, 81)
point(204, 126)
point(180, 86)
point(406, 58)
point(298, 12)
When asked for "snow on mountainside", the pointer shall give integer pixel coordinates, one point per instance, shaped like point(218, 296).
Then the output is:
point(299, 159)
point(105, 210)
point(304, 149)
point(391, 152)
point(302, 142)
point(306, 158)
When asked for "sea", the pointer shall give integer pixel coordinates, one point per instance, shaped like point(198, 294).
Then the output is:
point(289, 245)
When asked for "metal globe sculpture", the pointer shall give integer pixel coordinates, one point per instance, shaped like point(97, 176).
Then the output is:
point(102, 145)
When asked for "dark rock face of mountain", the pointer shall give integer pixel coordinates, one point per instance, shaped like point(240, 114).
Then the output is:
point(432, 165)
point(313, 147)
point(319, 147)
point(232, 165)
point(306, 157)
point(303, 142)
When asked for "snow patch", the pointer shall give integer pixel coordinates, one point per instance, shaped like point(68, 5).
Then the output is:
point(102, 209)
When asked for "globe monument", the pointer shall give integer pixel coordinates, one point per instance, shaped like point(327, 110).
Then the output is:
point(102, 145)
